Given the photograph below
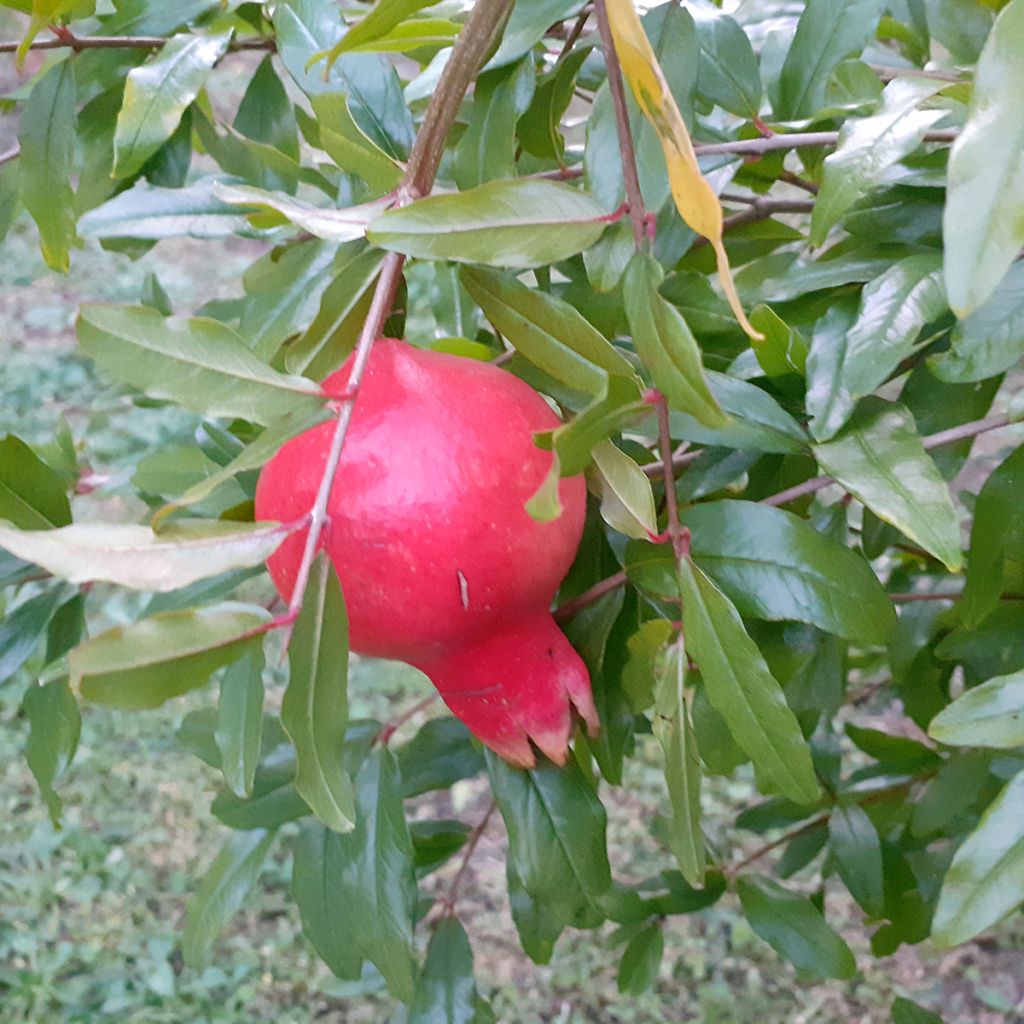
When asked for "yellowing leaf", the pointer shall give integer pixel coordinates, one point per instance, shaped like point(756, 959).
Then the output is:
point(44, 12)
point(694, 198)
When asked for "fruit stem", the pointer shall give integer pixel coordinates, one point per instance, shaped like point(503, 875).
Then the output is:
point(448, 902)
point(471, 46)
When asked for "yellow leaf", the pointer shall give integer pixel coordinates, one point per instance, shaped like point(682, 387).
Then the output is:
point(694, 198)
point(44, 12)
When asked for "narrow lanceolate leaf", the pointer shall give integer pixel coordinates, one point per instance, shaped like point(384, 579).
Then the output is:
point(665, 344)
point(54, 727)
point(880, 460)
point(783, 351)
point(743, 690)
point(674, 731)
point(164, 656)
point(985, 882)
point(199, 363)
point(695, 199)
point(47, 138)
point(773, 565)
point(627, 500)
point(858, 853)
point(983, 228)
point(314, 711)
point(990, 715)
point(828, 32)
point(641, 959)
point(548, 331)
point(728, 74)
point(222, 892)
point(253, 456)
point(136, 557)
point(556, 830)
point(894, 307)
point(381, 19)
point(997, 537)
point(446, 991)
point(157, 93)
point(794, 928)
point(327, 222)
point(520, 222)
point(350, 147)
point(356, 891)
point(150, 212)
point(22, 629)
point(240, 722)
point(31, 494)
point(869, 146)
point(989, 340)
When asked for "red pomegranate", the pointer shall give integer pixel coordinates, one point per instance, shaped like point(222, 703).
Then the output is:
point(441, 565)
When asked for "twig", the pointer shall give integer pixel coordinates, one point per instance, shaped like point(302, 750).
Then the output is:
point(760, 209)
point(467, 54)
point(887, 74)
point(634, 197)
point(588, 597)
point(72, 42)
point(448, 903)
point(793, 140)
point(574, 33)
point(679, 537)
point(683, 456)
point(797, 182)
point(10, 154)
point(955, 595)
point(396, 723)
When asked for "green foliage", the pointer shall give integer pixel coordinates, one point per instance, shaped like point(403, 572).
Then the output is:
point(864, 706)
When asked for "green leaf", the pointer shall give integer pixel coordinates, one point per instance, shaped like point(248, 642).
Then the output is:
point(539, 129)
point(869, 146)
point(341, 138)
point(305, 28)
point(741, 688)
point(549, 332)
point(379, 21)
point(148, 212)
point(895, 752)
point(47, 137)
point(145, 664)
point(356, 891)
point(556, 832)
point(199, 363)
point(950, 795)
point(537, 925)
point(906, 1012)
point(253, 456)
point(446, 991)
point(417, 34)
point(774, 566)
point(332, 335)
point(273, 802)
point(728, 73)
point(985, 882)
point(435, 842)
point(527, 26)
point(783, 351)
point(894, 307)
point(54, 727)
point(990, 340)
point(520, 222)
point(136, 557)
point(646, 646)
point(314, 711)
point(487, 149)
point(31, 494)
point(989, 715)
point(997, 534)
point(222, 893)
point(627, 500)
point(858, 853)
point(794, 928)
point(333, 224)
point(158, 92)
point(240, 722)
point(439, 755)
point(638, 969)
point(22, 629)
point(879, 458)
point(672, 727)
point(266, 114)
point(664, 343)
point(828, 32)
point(983, 226)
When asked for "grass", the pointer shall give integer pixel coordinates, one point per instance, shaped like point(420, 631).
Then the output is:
point(90, 916)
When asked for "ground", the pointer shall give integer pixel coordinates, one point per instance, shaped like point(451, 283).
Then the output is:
point(90, 916)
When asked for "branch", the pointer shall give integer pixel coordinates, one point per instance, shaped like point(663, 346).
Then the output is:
point(448, 903)
point(396, 723)
point(67, 41)
point(10, 154)
point(758, 210)
point(794, 140)
point(955, 595)
point(589, 597)
point(630, 177)
point(467, 54)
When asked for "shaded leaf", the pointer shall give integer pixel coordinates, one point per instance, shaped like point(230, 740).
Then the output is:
point(728, 73)
point(54, 727)
point(627, 500)
point(22, 629)
point(31, 494)
point(240, 722)
point(641, 959)
point(446, 991)
point(439, 755)
point(858, 853)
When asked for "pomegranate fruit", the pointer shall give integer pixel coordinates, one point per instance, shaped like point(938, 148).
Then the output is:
point(440, 563)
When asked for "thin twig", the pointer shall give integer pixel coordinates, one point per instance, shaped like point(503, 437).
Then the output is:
point(793, 140)
point(682, 456)
point(955, 595)
point(10, 154)
point(797, 182)
point(760, 209)
point(396, 723)
point(679, 538)
point(630, 177)
point(574, 33)
point(887, 74)
point(467, 54)
point(76, 43)
point(450, 899)
point(588, 597)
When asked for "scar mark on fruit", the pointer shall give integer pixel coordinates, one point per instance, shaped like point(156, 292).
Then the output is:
point(463, 589)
